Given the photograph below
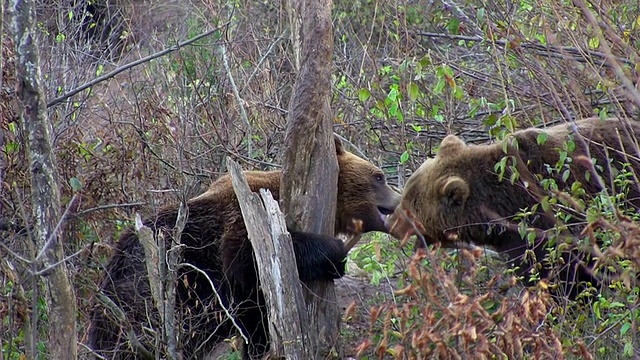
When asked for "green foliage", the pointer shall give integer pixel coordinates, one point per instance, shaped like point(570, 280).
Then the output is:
point(613, 310)
point(14, 343)
point(378, 257)
point(197, 66)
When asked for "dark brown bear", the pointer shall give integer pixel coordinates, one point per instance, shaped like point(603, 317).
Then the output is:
point(458, 196)
point(216, 242)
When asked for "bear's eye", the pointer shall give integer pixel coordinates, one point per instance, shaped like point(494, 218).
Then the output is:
point(379, 177)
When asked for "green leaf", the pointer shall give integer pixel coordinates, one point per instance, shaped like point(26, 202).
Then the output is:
point(480, 14)
point(454, 26)
point(404, 157)
point(448, 71)
point(393, 109)
point(76, 185)
point(628, 349)
point(413, 91)
point(545, 204)
point(500, 167)
point(458, 93)
point(541, 139)
point(491, 120)
point(575, 187)
point(437, 90)
point(624, 328)
point(514, 177)
point(594, 43)
point(425, 61)
point(364, 95)
point(562, 159)
point(11, 147)
point(509, 122)
point(602, 114)
point(393, 93)
point(100, 70)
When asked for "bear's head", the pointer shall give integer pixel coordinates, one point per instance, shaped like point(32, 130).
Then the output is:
point(455, 196)
point(434, 190)
point(363, 194)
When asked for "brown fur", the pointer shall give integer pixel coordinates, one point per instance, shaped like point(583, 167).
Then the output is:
point(215, 241)
point(362, 188)
point(457, 195)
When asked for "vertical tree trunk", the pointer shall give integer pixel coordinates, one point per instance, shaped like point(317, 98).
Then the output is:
point(310, 168)
point(273, 250)
point(45, 196)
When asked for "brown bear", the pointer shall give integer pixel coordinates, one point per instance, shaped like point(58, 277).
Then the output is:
point(458, 197)
point(215, 240)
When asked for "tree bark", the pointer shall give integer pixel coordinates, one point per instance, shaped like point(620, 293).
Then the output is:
point(273, 250)
point(310, 169)
point(45, 196)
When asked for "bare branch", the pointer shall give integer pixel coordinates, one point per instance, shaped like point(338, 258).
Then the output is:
point(632, 92)
point(236, 93)
point(546, 50)
point(220, 302)
point(54, 234)
point(132, 64)
point(108, 206)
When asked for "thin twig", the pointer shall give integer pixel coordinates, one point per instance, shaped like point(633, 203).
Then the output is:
point(632, 92)
point(93, 353)
point(553, 51)
point(130, 65)
point(13, 253)
point(108, 206)
point(236, 93)
point(54, 234)
point(262, 59)
point(45, 270)
point(215, 291)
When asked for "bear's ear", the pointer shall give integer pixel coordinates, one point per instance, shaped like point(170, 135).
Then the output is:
point(339, 148)
point(454, 192)
point(450, 145)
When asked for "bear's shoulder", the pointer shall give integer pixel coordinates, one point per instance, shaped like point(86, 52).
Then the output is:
point(222, 188)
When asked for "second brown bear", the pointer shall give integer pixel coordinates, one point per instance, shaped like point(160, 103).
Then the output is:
point(461, 195)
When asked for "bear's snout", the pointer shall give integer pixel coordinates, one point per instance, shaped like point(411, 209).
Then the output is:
point(388, 201)
point(385, 211)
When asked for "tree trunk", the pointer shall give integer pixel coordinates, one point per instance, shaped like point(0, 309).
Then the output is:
point(310, 168)
point(45, 196)
point(273, 250)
